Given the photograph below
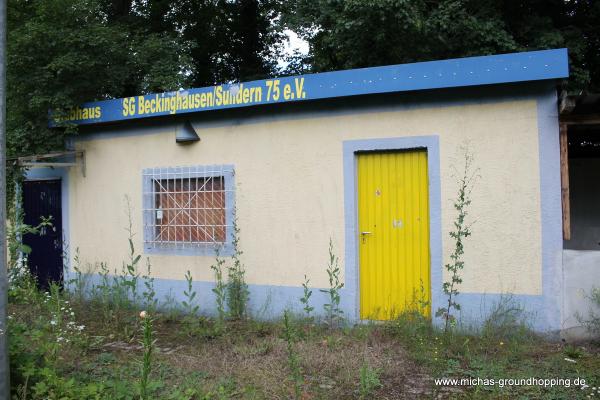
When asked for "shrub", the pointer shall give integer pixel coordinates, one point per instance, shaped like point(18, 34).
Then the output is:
point(37, 343)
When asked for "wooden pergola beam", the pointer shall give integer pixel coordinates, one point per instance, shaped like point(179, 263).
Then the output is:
point(34, 161)
point(36, 157)
point(564, 180)
point(47, 164)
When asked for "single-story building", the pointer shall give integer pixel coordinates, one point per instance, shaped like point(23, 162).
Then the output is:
point(366, 158)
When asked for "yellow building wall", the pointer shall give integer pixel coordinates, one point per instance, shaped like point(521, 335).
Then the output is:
point(290, 191)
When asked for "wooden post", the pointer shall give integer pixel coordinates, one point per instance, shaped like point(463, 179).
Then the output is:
point(564, 181)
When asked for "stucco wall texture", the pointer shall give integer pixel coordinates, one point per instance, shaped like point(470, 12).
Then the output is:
point(290, 191)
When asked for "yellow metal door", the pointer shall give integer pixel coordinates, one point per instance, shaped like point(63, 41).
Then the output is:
point(393, 221)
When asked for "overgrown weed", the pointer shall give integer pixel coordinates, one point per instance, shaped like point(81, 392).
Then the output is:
point(507, 320)
point(236, 290)
point(295, 372)
point(369, 381)
point(53, 358)
point(592, 320)
point(333, 312)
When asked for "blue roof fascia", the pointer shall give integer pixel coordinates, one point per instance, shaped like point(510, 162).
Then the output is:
point(453, 73)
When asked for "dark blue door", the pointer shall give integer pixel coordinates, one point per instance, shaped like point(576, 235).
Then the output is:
point(43, 199)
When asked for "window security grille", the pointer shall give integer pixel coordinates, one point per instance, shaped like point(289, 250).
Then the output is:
point(187, 207)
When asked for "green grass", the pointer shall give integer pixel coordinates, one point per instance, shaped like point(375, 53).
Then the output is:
point(500, 354)
point(247, 359)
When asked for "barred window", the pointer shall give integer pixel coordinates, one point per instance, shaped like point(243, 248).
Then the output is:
point(187, 208)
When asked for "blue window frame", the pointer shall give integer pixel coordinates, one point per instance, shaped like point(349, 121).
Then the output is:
point(188, 210)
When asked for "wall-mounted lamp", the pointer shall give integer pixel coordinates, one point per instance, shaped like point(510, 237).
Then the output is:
point(186, 133)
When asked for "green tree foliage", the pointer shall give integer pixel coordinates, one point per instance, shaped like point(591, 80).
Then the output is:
point(225, 40)
point(229, 40)
point(63, 52)
point(361, 33)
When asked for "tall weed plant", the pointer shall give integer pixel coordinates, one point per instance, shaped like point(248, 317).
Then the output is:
point(305, 299)
point(237, 289)
point(461, 231)
point(220, 290)
point(290, 337)
point(117, 292)
point(18, 251)
point(149, 293)
point(332, 308)
point(129, 276)
point(78, 282)
point(148, 346)
point(189, 304)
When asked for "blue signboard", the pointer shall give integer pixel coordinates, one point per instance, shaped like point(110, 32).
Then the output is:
point(471, 71)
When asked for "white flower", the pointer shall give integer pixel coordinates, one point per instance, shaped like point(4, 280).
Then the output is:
point(53, 322)
point(143, 314)
point(81, 327)
point(72, 314)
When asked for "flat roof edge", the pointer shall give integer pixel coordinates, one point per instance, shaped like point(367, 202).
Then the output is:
point(452, 73)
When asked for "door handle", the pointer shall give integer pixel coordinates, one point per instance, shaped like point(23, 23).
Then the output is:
point(363, 235)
